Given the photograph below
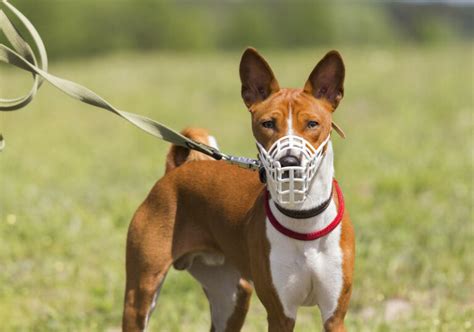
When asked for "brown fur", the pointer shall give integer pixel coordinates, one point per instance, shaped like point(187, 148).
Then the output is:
point(212, 207)
point(178, 155)
point(347, 243)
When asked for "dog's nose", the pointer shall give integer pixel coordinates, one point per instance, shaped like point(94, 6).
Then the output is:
point(289, 161)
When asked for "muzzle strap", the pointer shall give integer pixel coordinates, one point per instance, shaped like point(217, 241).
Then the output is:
point(338, 130)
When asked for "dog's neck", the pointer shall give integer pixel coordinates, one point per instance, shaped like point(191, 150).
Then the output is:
point(320, 191)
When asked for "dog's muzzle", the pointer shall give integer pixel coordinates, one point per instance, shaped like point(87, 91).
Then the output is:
point(290, 165)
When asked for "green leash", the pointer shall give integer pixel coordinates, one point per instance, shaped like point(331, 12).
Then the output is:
point(22, 56)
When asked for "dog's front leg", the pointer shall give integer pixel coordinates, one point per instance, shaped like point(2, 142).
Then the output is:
point(335, 323)
point(280, 323)
point(259, 258)
point(277, 319)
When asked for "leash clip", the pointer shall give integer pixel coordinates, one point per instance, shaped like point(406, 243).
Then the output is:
point(243, 162)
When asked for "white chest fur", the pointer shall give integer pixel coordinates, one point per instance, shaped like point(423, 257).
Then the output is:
point(308, 273)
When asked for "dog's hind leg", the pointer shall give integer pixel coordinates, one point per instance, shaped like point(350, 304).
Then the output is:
point(228, 294)
point(140, 300)
point(148, 260)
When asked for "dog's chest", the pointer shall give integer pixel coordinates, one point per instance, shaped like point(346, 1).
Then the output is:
point(306, 273)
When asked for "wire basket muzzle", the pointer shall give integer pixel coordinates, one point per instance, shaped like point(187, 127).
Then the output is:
point(289, 185)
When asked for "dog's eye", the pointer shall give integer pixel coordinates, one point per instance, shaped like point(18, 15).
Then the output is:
point(312, 124)
point(268, 124)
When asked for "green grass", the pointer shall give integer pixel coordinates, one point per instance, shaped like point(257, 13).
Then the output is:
point(71, 177)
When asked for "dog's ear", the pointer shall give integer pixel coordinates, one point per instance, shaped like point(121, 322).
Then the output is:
point(258, 81)
point(326, 81)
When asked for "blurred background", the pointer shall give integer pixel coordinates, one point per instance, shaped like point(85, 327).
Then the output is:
point(87, 27)
point(71, 176)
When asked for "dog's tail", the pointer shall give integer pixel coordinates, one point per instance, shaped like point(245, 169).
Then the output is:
point(178, 155)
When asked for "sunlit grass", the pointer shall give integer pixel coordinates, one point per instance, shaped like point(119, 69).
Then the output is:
point(71, 177)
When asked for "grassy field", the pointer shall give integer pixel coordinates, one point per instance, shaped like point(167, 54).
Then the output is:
point(71, 177)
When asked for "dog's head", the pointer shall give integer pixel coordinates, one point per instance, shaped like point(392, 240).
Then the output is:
point(278, 111)
point(291, 126)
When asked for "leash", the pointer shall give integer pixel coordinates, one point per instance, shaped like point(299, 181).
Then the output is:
point(23, 56)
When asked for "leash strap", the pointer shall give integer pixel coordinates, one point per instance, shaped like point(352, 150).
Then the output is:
point(22, 56)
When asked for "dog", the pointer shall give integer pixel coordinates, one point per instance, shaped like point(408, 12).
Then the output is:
point(288, 238)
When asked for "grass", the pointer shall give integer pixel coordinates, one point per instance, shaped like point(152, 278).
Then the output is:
point(71, 177)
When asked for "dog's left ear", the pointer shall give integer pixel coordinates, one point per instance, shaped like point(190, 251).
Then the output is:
point(326, 81)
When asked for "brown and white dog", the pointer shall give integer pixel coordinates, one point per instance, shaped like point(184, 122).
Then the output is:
point(215, 220)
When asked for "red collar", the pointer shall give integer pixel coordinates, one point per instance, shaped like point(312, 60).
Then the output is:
point(313, 235)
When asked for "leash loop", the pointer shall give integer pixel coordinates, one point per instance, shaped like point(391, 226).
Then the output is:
point(20, 45)
point(22, 56)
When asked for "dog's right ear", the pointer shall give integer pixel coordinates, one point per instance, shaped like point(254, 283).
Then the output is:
point(258, 81)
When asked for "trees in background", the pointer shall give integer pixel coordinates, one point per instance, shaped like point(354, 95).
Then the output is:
point(86, 27)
